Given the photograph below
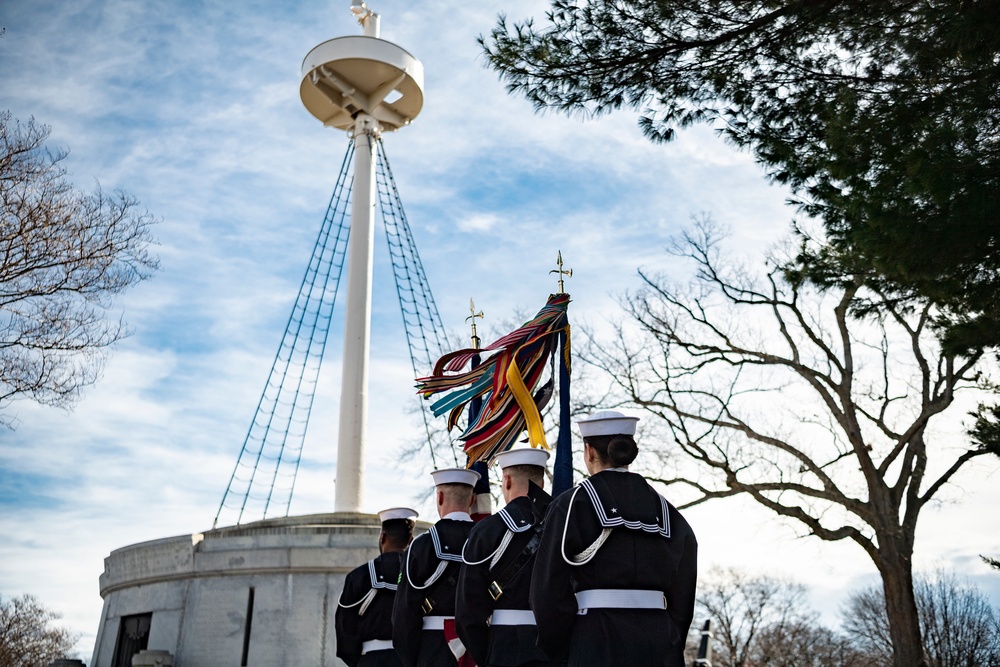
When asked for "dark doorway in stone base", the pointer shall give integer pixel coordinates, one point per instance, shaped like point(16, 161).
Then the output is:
point(133, 636)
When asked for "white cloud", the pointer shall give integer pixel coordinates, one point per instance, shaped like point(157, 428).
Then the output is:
point(478, 222)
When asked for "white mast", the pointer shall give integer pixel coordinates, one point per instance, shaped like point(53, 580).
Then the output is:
point(365, 85)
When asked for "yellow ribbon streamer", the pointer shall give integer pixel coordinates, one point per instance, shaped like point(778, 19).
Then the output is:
point(532, 418)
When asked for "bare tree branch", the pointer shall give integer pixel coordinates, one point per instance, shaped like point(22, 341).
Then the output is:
point(64, 256)
point(731, 367)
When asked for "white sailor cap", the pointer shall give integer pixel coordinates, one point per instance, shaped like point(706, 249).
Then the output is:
point(607, 422)
point(527, 456)
point(397, 513)
point(455, 476)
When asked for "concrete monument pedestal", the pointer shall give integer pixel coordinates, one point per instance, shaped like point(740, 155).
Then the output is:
point(262, 593)
point(153, 659)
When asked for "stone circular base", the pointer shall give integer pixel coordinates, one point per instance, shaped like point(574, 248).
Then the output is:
point(263, 593)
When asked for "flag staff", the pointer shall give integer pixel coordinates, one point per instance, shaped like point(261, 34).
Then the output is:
point(472, 309)
point(568, 272)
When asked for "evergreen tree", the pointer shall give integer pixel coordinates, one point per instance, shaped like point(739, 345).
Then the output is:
point(882, 118)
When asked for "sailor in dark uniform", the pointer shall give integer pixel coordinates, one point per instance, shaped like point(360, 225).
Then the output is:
point(423, 619)
point(364, 615)
point(492, 614)
point(614, 578)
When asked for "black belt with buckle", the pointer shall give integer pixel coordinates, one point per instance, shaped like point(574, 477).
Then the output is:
point(511, 571)
point(427, 606)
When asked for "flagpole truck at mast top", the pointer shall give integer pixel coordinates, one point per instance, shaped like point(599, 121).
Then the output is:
point(365, 85)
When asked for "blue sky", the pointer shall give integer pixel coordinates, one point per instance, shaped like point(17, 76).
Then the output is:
point(193, 108)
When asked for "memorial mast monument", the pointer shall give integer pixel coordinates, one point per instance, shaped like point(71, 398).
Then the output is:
point(265, 592)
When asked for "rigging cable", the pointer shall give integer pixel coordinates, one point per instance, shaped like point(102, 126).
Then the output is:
point(294, 372)
point(421, 319)
point(273, 444)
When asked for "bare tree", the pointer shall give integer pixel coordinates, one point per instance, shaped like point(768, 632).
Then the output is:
point(958, 623)
point(741, 605)
point(64, 255)
point(807, 644)
point(764, 621)
point(776, 391)
point(27, 637)
point(865, 621)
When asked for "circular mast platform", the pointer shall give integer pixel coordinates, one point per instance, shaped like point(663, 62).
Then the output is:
point(346, 76)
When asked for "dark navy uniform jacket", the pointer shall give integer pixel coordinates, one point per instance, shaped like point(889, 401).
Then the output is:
point(500, 645)
point(648, 546)
point(429, 572)
point(365, 612)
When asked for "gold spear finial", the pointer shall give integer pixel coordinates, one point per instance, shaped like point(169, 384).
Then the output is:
point(568, 272)
point(472, 317)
